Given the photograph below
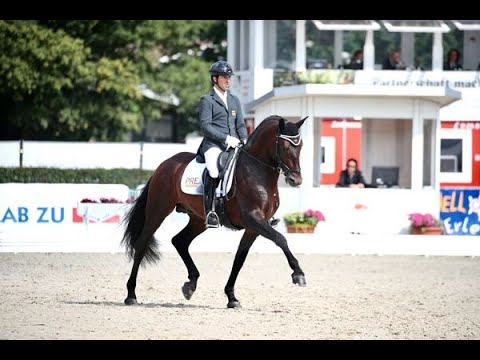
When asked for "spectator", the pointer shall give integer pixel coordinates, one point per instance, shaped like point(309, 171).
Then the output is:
point(351, 176)
point(394, 61)
point(453, 58)
point(357, 60)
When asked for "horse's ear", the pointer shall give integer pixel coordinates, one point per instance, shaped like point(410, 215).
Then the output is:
point(300, 123)
point(281, 125)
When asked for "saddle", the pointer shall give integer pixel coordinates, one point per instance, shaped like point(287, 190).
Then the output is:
point(193, 179)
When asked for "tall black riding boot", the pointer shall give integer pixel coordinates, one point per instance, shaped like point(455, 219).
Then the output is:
point(211, 217)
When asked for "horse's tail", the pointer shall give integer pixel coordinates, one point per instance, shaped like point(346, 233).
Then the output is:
point(135, 220)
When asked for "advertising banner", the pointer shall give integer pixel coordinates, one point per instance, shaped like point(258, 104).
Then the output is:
point(460, 211)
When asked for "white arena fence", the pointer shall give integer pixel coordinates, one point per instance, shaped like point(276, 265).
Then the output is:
point(51, 218)
point(88, 155)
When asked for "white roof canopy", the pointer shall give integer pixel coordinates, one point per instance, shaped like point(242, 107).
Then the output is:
point(467, 24)
point(396, 25)
point(378, 96)
point(416, 25)
point(346, 24)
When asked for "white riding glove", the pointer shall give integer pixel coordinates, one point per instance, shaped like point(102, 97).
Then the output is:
point(232, 141)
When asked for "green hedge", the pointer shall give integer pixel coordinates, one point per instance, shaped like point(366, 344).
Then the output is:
point(130, 177)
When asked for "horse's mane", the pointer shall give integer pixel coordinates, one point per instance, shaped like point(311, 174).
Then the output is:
point(273, 120)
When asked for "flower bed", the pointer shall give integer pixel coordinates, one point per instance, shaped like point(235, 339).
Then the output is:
point(303, 222)
point(425, 224)
point(104, 210)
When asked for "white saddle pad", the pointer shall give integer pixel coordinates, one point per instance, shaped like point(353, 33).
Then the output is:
point(192, 182)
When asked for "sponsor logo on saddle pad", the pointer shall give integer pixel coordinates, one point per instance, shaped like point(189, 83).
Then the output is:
point(192, 182)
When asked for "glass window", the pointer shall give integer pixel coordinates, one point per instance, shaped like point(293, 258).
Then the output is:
point(451, 155)
point(455, 156)
point(286, 34)
point(319, 45)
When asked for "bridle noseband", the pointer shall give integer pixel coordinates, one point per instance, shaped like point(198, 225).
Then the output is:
point(280, 167)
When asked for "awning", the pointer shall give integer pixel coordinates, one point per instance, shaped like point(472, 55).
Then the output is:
point(416, 25)
point(467, 24)
point(346, 24)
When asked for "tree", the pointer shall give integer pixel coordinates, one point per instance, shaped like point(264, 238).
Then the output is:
point(171, 58)
point(78, 80)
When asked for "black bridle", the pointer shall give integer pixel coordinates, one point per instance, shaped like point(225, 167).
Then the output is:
point(280, 166)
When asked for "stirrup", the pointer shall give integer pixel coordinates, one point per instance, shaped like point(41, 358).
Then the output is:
point(274, 222)
point(214, 220)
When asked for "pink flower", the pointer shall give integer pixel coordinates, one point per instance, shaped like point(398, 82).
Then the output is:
point(319, 216)
point(423, 220)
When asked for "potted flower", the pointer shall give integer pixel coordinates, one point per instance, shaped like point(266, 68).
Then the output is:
point(303, 222)
point(425, 224)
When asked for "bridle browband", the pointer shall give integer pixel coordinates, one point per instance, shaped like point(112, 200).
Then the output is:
point(280, 167)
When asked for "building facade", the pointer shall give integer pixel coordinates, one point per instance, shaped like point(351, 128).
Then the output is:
point(419, 125)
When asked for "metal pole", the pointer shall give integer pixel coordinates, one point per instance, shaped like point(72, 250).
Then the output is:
point(21, 153)
point(141, 155)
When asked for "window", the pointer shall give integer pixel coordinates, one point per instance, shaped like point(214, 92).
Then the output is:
point(451, 155)
point(327, 155)
point(456, 155)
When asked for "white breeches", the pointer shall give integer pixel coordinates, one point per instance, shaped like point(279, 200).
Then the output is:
point(211, 156)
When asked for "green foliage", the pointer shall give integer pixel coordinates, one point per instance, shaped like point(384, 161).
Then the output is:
point(130, 177)
point(326, 77)
point(80, 79)
point(51, 87)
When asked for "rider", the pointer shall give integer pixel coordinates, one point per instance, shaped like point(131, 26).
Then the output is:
point(223, 126)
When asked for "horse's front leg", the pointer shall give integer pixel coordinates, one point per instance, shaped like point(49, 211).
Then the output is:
point(245, 243)
point(257, 222)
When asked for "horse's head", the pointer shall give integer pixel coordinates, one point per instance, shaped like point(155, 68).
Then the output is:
point(287, 149)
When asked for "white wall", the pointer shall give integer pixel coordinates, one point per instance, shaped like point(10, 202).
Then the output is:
point(9, 153)
point(387, 142)
point(86, 155)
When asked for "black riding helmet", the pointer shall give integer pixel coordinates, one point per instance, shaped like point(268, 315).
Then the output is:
point(221, 68)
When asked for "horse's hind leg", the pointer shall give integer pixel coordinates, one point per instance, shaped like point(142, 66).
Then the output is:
point(182, 241)
point(145, 236)
point(145, 242)
point(245, 243)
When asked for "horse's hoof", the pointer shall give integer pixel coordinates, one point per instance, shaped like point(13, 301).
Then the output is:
point(234, 305)
point(187, 291)
point(130, 301)
point(299, 280)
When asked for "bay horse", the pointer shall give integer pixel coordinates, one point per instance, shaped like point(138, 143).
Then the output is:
point(272, 148)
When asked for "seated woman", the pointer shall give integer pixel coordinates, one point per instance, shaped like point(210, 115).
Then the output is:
point(351, 176)
point(453, 60)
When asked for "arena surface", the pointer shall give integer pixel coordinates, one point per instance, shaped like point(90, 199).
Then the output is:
point(80, 296)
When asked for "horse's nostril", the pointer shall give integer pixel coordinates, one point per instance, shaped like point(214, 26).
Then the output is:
point(293, 181)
